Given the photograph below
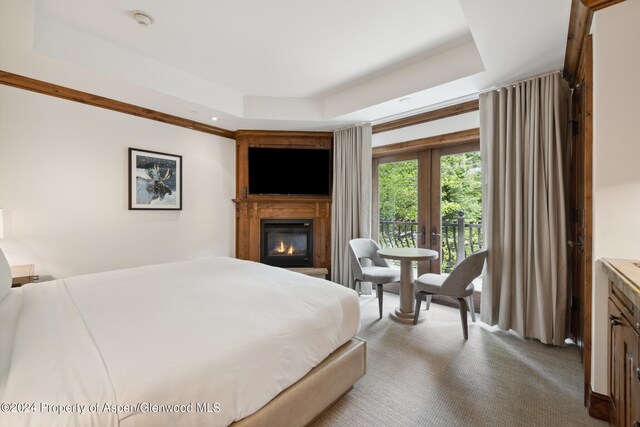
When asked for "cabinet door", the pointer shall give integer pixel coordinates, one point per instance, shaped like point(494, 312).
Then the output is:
point(615, 362)
point(624, 378)
point(630, 407)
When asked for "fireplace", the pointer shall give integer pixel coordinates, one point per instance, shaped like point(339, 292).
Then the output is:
point(286, 242)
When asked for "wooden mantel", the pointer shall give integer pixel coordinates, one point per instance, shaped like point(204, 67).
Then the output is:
point(251, 209)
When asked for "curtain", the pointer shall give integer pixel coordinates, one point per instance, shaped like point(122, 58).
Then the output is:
point(351, 206)
point(522, 138)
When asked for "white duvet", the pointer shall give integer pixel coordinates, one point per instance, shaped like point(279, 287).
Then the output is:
point(201, 342)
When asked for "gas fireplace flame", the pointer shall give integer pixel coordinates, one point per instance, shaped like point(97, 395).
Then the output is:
point(282, 249)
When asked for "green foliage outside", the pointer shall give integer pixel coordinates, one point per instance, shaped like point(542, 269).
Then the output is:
point(398, 190)
point(461, 189)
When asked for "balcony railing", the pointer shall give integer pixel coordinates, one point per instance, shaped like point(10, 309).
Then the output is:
point(459, 238)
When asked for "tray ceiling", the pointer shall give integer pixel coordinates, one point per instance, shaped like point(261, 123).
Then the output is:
point(283, 64)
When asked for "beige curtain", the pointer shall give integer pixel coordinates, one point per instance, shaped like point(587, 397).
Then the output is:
point(351, 206)
point(522, 134)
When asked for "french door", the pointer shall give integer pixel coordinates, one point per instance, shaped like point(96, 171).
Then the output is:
point(430, 198)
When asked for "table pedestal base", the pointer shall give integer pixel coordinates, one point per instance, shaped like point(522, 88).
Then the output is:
point(401, 317)
point(404, 313)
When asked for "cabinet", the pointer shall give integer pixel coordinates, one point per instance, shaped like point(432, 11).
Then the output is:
point(624, 366)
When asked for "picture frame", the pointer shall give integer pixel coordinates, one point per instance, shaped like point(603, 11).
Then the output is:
point(155, 180)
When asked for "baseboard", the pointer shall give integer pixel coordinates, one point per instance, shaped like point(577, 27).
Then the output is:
point(598, 405)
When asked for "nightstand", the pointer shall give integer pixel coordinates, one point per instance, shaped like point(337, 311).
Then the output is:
point(22, 274)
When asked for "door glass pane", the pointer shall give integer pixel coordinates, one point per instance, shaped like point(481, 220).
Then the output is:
point(461, 208)
point(398, 204)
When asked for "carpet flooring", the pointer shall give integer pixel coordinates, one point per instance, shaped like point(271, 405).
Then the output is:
point(427, 375)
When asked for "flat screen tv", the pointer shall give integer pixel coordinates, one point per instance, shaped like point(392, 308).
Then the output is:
point(299, 171)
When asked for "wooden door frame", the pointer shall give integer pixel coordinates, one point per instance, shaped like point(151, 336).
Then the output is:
point(424, 159)
point(580, 73)
point(584, 76)
point(375, 200)
point(428, 155)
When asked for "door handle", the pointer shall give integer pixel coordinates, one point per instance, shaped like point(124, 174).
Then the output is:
point(423, 235)
point(573, 244)
point(434, 236)
point(614, 320)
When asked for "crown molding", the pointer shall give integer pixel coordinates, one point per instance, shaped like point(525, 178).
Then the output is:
point(599, 4)
point(441, 113)
point(45, 88)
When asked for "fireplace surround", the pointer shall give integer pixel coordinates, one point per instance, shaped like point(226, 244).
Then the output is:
point(251, 209)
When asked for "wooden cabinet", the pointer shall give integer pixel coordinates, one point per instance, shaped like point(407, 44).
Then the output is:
point(624, 366)
point(251, 209)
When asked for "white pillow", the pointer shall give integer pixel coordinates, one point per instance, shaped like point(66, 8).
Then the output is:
point(5, 276)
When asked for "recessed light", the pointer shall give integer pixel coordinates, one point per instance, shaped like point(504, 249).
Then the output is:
point(142, 18)
point(215, 118)
point(404, 100)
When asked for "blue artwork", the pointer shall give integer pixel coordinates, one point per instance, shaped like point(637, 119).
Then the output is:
point(155, 180)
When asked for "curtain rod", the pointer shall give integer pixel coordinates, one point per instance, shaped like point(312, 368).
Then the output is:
point(518, 82)
point(455, 101)
point(352, 126)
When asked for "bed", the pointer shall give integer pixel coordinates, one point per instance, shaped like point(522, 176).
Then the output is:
point(212, 341)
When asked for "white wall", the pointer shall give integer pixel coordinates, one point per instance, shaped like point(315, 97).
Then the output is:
point(437, 127)
point(616, 158)
point(63, 188)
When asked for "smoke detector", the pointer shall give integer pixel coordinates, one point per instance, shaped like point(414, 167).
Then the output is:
point(142, 18)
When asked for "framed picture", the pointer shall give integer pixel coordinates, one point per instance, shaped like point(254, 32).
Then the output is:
point(155, 180)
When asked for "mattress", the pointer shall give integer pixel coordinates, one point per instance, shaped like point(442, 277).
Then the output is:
point(200, 342)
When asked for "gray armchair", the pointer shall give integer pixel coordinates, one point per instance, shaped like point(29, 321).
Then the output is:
point(379, 273)
point(458, 284)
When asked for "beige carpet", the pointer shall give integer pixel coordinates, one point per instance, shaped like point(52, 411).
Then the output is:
point(427, 375)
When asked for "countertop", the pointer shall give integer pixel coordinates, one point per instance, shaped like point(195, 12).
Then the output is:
point(625, 275)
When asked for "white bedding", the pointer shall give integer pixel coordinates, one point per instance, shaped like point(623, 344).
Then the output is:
point(212, 334)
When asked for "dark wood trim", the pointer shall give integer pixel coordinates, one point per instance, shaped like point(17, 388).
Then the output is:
point(282, 199)
point(579, 23)
point(460, 148)
point(599, 4)
point(598, 405)
point(375, 200)
point(439, 141)
point(442, 113)
point(279, 134)
point(424, 203)
point(435, 210)
point(26, 83)
point(586, 78)
point(399, 157)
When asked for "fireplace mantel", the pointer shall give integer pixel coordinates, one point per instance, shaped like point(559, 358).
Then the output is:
point(250, 209)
